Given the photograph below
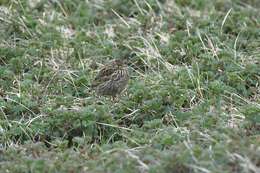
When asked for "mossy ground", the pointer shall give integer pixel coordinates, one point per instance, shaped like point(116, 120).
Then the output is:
point(192, 104)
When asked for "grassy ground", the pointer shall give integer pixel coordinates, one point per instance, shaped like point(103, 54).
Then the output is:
point(192, 104)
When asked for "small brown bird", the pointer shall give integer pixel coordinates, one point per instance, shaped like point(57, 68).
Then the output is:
point(112, 79)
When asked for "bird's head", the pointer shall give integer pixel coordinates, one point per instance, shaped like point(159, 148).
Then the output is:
point(120, 63)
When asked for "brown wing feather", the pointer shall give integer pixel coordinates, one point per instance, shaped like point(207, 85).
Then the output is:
point(116, 84)
point(105, 73)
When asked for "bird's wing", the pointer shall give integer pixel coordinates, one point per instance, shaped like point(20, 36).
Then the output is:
point(119, 75)
point(106, 71)
point(103, 75)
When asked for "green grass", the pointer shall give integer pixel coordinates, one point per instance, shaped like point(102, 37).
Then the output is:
point(192, 104)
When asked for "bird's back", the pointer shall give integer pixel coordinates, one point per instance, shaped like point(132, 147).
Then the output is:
point(105, 73)
point(116, 84)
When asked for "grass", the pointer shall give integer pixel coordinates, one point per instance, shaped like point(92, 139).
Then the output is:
point(192, 104)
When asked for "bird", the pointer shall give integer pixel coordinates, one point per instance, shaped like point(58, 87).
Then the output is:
point(107, 70)
point(112, 79)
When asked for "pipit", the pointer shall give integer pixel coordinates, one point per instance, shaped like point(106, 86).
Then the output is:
point(112, 79)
